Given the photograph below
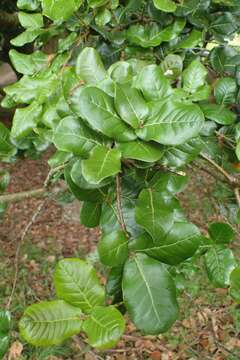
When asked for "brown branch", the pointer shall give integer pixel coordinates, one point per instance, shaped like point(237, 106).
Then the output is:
point(119, 204)
point(237, 195)
point(16, 197)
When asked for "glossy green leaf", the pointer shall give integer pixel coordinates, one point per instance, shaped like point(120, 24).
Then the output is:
point(140, 150)
point(130, 105)
point(191, 41)
point(103, 17)
point(194, 76)
point(97, 3)
point(165, 5)
point(26, 37)
point(181, 243)
point(172, 122)
point(25, 120)
point(169, 182)
point(172, 66)
point(33, 21)
point(60, 9)
point(50, 323)
point(221, 233)
point(149, 294)
point(153, 84)
point(102, 163)
point(97, 108)
point(225, 91)
point(90, 214)
point(113, 248)
point(219, 263)
point(29, 5)
point(28, 64)
point(72, 135)
point(121, 72)
point(89, 66)
point(235, 285)
point(76, 283)
point(219, 114)
point(104, 327)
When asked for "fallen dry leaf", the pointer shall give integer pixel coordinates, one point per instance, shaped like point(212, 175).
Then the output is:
point(15, 351)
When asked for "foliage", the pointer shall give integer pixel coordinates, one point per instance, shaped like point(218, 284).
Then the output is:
point(130, 95)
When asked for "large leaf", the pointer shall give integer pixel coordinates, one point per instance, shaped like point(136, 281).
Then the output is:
point(113, 248)
point(165, 5)
point(172, 122)
point(225, 91)
point(102, 163)
point(72, 135)
point(50, 323)
point(97, 108)
point(219, 263)
point(25, 120)
point(104, 327)
point(89, 66)
point(76, 282)
point(219, 114)
point(194, 76)
point(179, 244)
point(153, 84)
point(28, 64)
point(154, 214)
point(149, 294)
point(141, 150)
point(130, 105)
point(60, 9)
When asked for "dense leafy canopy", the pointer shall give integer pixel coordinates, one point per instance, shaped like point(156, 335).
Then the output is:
point(130, 95)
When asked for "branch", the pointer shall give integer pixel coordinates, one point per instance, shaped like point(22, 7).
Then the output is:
point(13, 198)
point(119, 205)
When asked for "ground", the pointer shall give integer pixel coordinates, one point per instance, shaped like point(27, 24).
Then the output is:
point(209, 324)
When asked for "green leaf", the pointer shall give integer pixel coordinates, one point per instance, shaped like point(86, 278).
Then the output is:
point(4, 180)
point(219, 263)
point(113, 248)
point(89, 66)
point(225, 91)
point(97, 108)
point(219, 114)
point(235, 285)
point(104, 327)
point(26, 37)
point(103, 17)
point(172, 122)
point(5, 322)
point(59, 9)
point(140, 150)
point(169, 182)
point(191, 40)
point(221, 233)
point(25, 120)
point(149, 294)
point(130, 105)
point(165, 5)
point(97, 3)
point(90, 214)
point(153, 213)
point(28, 64)
point(102, 163)
point(77, 283)
point(6, 147)
point(29, 5)
point(50, 323)
point(194, 76)
point(121, 72)
point(181, 243)
point(153, 84)
point(72, 135)
point(172, 66)
point(225, 24)
point(33, 21)
point(4, 345)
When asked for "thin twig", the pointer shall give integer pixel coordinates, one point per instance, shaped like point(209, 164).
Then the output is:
point(16, 197)
point(119, 204)
point(237, 195)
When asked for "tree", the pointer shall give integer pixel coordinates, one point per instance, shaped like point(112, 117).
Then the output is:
point(130, 93)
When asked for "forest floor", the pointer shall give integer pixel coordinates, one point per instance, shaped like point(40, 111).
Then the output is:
point(209, 324)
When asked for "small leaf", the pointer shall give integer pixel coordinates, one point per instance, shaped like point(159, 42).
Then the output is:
point(26, 37)
point(165, 5)
point(219, 114)
point(104, 327)
point(235, 285)
point(76, 282)
point(89, 66)
point(102, 163)
point(113, 248)
point(221, 233)
point(90, 214)
point(169, 182)
point(149, 293)
point(28, 64)
point(194, 76)
point(25, 120)
point(54, 9)
point(140, 150)
point(50, 323)
point(191, 40)
point(6, 147)
point(225, 91)
point(33, 21)
point(5, 322)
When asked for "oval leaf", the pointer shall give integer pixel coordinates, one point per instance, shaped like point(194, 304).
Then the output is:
point(113, 248)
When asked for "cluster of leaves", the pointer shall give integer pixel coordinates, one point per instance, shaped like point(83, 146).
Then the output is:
point(125, 121)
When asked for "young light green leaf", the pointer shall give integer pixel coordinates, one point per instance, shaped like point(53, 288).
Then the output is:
point(90, 214)
point(60, 10)
point(102, 163)
point(113, 248)
point(96, 3)
point(76, 283)
point(32, 21)
point(104, 327)
point(50, 323)
point(25, 120)
point(221, 233)
point(149, 293)
point(28, 64)
point(26, 37)
point(72, 135)
point(172, 122)
point(140, 150)
point(97, 108)
point(89, 66)
point(29, 5)
point(165, 5)
point(130, 105)
point(194, 76)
